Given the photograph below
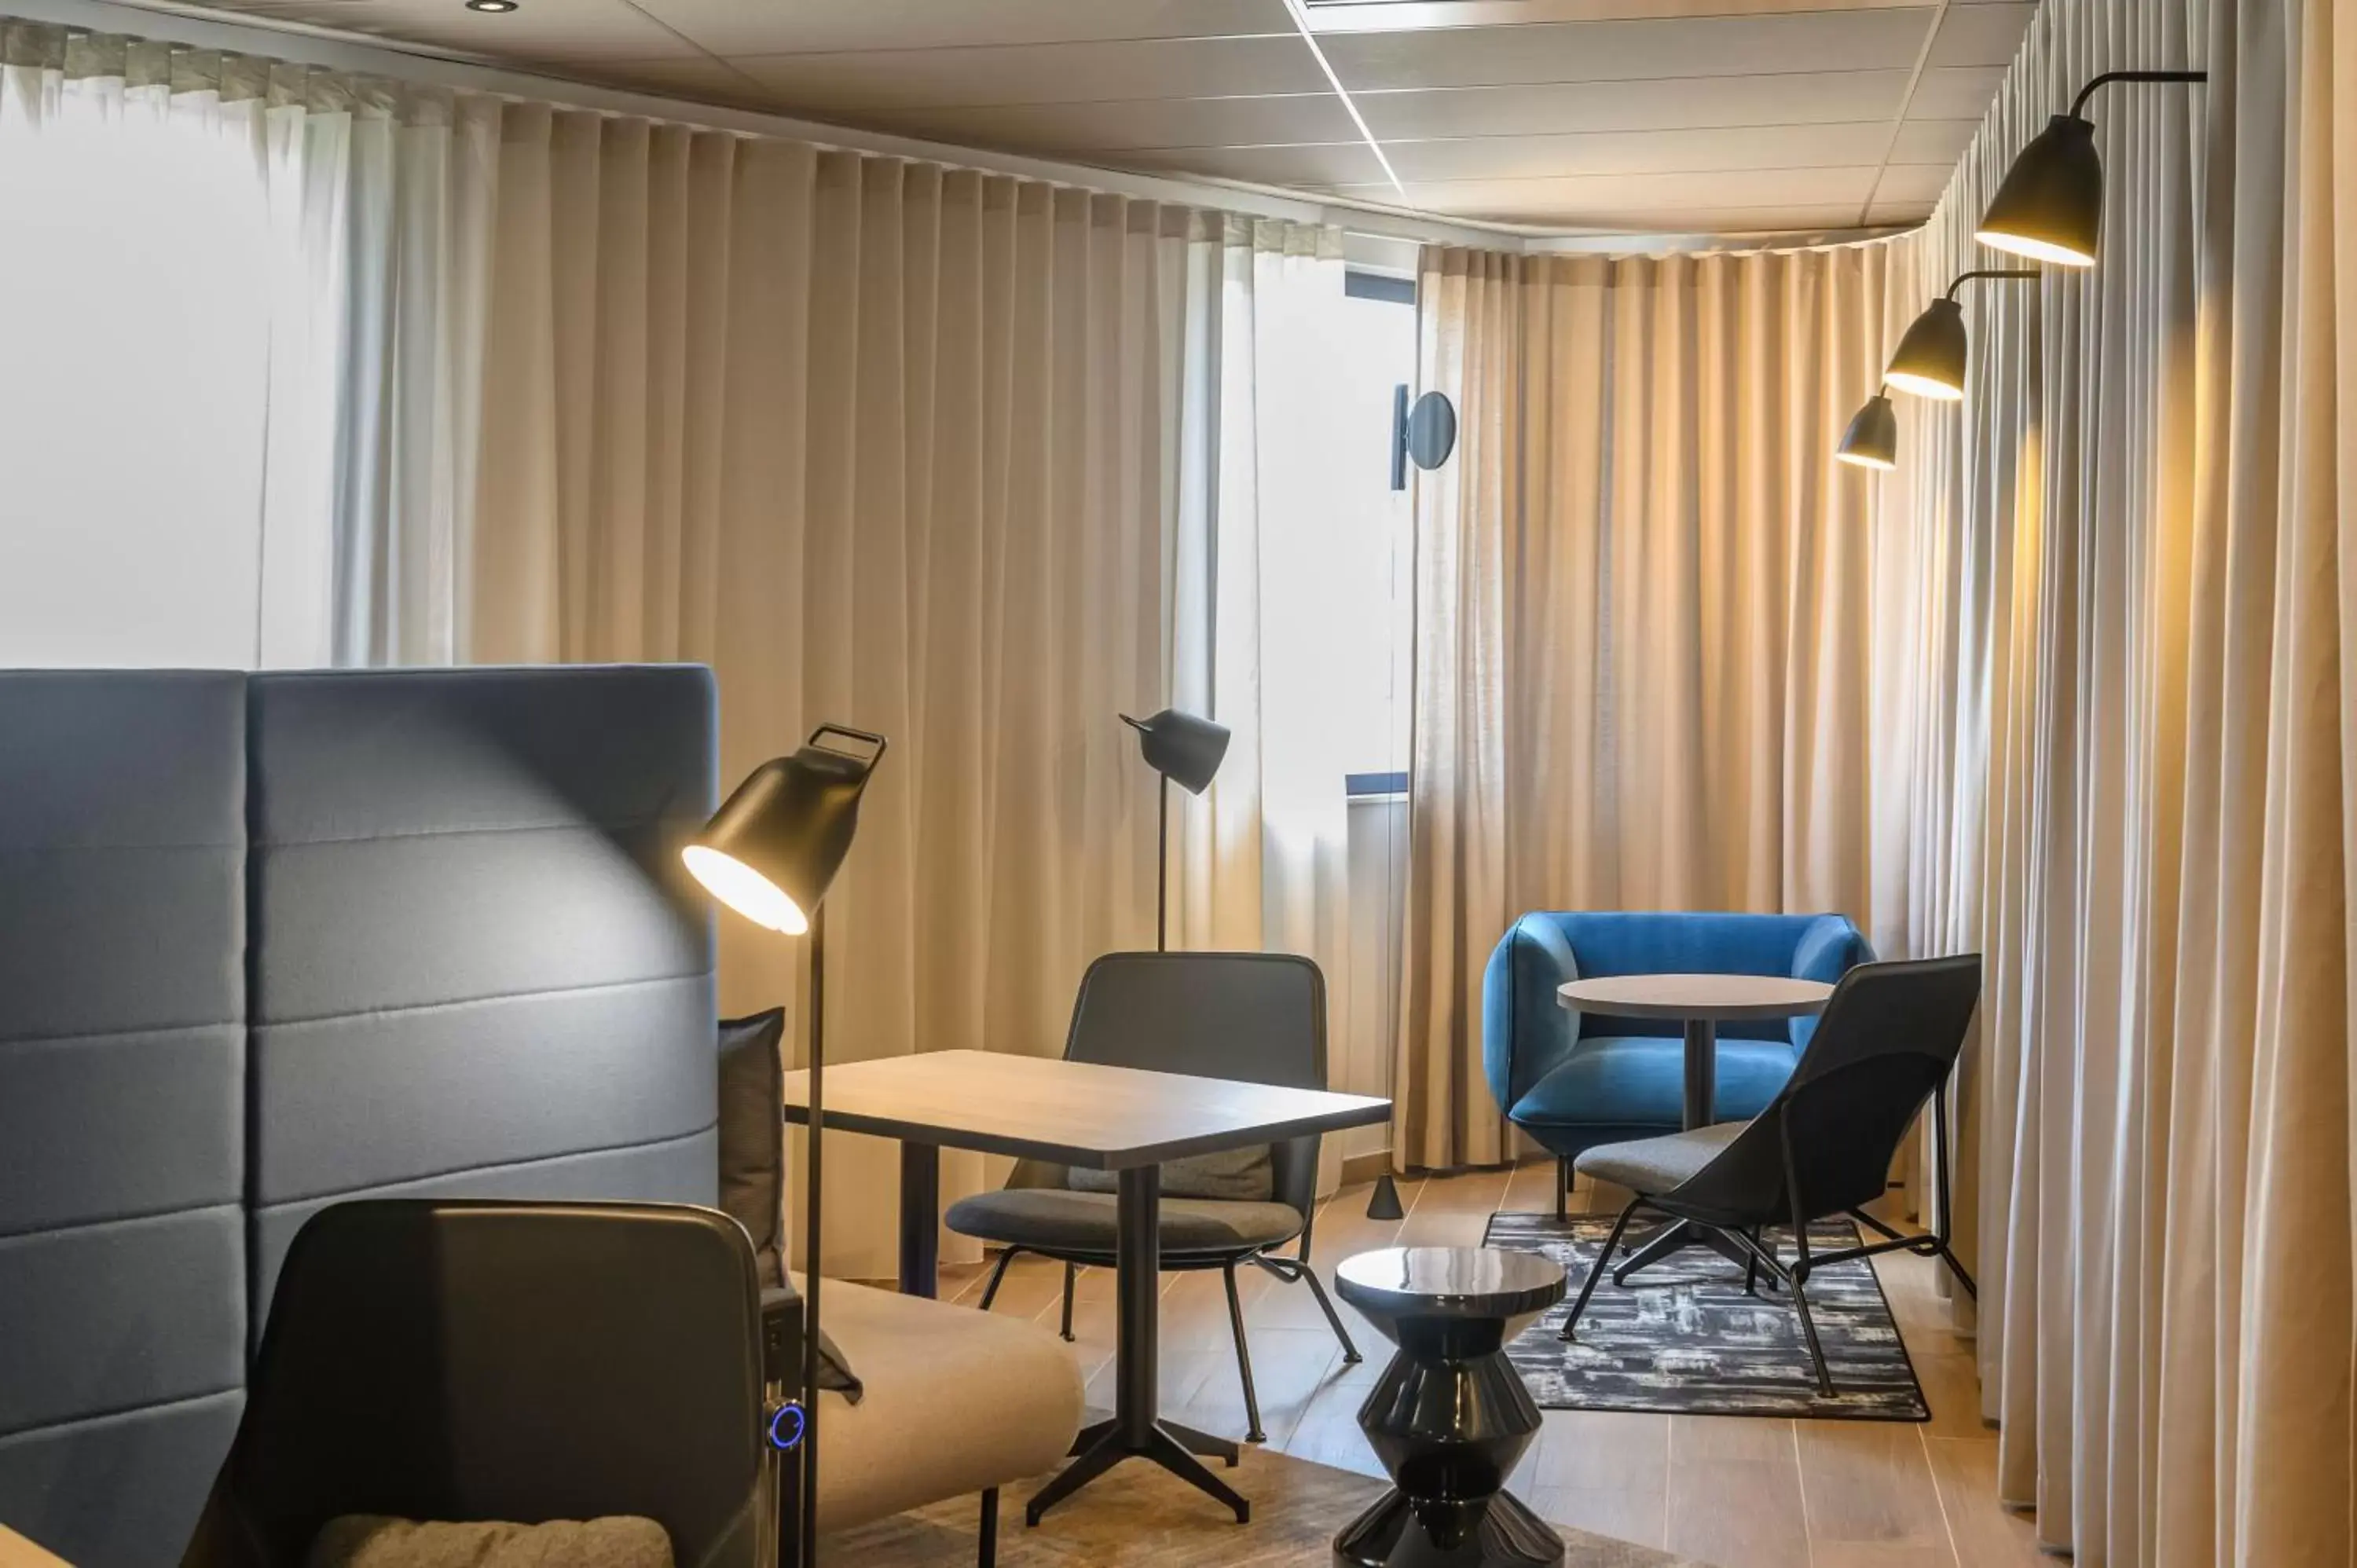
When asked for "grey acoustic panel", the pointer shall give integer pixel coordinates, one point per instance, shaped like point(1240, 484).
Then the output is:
point(122, 1101)
point(679, 1170)
point(118, 1491)
point(477, 960)
point(100, 1318)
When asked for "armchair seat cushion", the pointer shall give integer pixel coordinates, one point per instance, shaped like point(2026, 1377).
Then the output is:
point(1058, 1219)
point(1656, 1165)
point(1622, 1080)
point(956, 1400)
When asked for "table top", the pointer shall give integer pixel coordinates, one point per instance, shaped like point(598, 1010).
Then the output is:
point(1713, 996)
point(1074, 1113)
point(1449, 1281)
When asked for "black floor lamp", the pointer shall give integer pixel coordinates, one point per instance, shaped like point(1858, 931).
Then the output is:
point(1189, 750)
point(769, 853)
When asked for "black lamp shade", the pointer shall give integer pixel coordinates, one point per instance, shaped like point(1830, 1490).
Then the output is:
point(1181, 747)
point(1929, 359)
point(773, 848)
point(2051, 207)
point(1872, 439)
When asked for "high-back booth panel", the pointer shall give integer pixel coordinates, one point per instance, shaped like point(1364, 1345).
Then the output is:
point(268, 941)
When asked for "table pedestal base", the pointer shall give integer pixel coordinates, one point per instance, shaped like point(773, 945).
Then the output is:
point(1450, 1428)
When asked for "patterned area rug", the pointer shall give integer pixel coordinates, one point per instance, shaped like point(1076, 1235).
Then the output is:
point(1682, 1336)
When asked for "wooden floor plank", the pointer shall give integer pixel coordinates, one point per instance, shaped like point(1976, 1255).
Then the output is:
point(1868, 1483)
point(1986, 1532)
point(1735, 1492)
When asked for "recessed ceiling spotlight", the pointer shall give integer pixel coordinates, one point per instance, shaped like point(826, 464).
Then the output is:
point(491, 7)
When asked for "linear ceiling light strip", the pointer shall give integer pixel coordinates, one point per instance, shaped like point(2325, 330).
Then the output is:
point(1301, 24)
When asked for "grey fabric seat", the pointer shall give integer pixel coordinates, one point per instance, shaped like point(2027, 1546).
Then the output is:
point(1250, 1017)
point(1657, 1165)
point(1050, 1218)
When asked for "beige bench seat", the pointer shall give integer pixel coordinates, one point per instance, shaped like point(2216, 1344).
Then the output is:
point(956, 1400)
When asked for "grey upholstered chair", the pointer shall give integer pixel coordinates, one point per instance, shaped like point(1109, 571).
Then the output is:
point(451, 1359)
point(1887, 1042)
point(1255, 1017)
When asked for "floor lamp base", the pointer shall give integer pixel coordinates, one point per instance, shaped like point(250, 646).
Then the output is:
point(1385, 1203)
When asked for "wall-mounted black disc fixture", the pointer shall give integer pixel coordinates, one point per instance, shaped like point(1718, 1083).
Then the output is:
point(1424, 434)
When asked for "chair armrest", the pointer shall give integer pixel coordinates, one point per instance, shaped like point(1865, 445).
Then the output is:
point(1526, 1032)
point(1830, 948)
point(781, 1336)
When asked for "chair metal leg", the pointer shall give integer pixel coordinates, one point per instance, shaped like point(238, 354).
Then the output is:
point(1072, 1275)
point(1949, 1257)
point(1349, 1351)
point(1596, 1269)
point(1751, 1276)
point(1809, 1326)
point(1243, 1358)
point(990, 1290)
point(985, 1550)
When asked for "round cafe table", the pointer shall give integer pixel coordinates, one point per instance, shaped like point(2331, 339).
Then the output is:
point(1702, 1002)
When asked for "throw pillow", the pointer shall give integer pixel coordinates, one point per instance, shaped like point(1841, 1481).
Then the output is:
point(372, 1541)
point(753, 1165)
point(1238, 1176)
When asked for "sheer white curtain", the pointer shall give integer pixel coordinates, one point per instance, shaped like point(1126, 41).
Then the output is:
point(2128, 759)
point(235, 417)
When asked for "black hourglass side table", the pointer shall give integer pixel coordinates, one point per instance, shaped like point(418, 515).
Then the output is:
point(1449, 1417)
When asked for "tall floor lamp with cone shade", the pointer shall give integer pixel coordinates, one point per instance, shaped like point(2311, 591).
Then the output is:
point(770, 852)
point(1188, 751)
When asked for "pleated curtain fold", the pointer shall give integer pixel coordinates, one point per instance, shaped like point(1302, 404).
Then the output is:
point(2126, 764)
point(1644, 648)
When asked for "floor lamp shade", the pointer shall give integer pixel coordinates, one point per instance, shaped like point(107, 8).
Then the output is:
point(770, 852)
point(1872, 439)
point(1929, 359)
point(773, 848)
point(2051, 207)
point(1183, 748)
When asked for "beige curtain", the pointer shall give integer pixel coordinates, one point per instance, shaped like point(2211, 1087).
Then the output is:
point(1643, 670)
point(918, 449)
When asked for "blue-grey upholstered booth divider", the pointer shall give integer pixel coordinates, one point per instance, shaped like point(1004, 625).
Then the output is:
point(1574, 1079)
point(271, 940)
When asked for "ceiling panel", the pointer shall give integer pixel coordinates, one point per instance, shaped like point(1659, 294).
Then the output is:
point(1577, 199)
point(1639, 152)
point(1984, 35)
point(1327, 163)
point(1605, 51)
point(1801, 98)
point(1681, 116)
point(789, 27)
point(1050, 73)
point(1938, 142)
point(1124, 125)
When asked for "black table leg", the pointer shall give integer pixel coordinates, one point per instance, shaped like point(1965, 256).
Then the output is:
point(1702, 1095)
point(920, 1220)
point(1134, 1431)
point(1701, 1071)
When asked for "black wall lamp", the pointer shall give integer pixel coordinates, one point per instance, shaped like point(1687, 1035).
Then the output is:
point(2051, 207)
point(1872, 439)
point(1930, 358)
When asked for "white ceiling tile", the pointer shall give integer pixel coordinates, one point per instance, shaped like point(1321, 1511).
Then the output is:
point(1981, 35)
point(1932, 141)
point(1801, 98)
point(1337, 163)
point(1307, 117)
point(1579, 196)
point(793, 27)
point(1050, 73)
point(1638, 152)
point(541, 31)
point(1959, 92)
point(1914, 182)
point(1880, 213)
point(1411, 15)
point(697, 79)
point(1604, 51)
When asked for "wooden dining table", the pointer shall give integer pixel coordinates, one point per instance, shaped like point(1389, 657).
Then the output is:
point(1123, 1120)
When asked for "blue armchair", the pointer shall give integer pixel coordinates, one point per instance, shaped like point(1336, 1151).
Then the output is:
point(1575, 1079)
